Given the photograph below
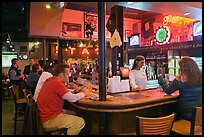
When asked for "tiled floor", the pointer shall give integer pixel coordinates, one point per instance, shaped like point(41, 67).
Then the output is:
point(7, 117)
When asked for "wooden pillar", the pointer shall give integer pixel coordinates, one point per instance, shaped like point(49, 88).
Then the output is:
point(49, 52)
point(44, 50)
point(60, 59)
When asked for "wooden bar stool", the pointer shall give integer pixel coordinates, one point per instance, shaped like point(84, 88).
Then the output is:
point(154, 126)
point(185, 127)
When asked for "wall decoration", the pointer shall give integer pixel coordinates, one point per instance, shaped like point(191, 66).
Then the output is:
point(90, 25)
point(71, 30)
point(162, 35)
point(127, 34)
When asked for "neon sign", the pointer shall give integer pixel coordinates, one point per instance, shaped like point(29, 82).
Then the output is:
point(176, 20)
point(85, 51)
point(162, 35)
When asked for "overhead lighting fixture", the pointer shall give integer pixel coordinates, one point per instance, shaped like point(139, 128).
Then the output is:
point(7, 41)
point(186, 14)
point(130, 3)
point(57, 5)
point(47, 6)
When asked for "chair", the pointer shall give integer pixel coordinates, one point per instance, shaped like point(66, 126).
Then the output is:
point(32, 124)
point(17, 102)
point(154, 126)
point(185, 127)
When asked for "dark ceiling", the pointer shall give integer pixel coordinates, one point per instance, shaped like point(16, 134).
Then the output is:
point(14, 20)
point(15, 17)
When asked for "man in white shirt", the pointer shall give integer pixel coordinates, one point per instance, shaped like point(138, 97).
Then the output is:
point(48, 70)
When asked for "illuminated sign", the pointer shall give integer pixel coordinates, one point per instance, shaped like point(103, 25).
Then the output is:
point(162, 35)
point(85, 51)
point(176, 20)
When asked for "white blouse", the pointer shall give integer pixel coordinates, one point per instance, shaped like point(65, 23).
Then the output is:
point(44, 76)
point(138, 78)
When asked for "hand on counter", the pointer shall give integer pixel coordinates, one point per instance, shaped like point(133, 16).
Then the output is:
point(136, 89)
point(87, 92)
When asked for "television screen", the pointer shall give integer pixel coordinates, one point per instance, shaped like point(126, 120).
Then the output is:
point(197, 28)
point(135, 40)
point(131, 62)
point(7, 57)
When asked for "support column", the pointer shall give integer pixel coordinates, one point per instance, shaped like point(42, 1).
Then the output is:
point(60, 59)
point(118, 52)
point(102, 64)
point(44, 50)
point(102, 50)
point(49, 52)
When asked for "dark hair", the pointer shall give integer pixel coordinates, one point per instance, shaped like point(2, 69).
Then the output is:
point(137, 59)
point(13, 61)
point(48, 65)
point(59, 68)
point(189, 68)
point(35, 67)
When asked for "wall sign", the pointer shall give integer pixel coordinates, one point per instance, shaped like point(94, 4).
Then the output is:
point(162, 35)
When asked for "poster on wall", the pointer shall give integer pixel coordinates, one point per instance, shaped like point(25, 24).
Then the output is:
point(71, 30)
point(90, 25)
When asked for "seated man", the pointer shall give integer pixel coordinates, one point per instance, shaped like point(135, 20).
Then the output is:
point(32, 78)
point(51, 99)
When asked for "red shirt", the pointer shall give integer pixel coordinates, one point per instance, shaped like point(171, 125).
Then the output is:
point(50, 100)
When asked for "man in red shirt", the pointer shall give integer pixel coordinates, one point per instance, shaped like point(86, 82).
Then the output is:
point(51, 99)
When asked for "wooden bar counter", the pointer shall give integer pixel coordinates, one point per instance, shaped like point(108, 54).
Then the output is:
point(121, 109)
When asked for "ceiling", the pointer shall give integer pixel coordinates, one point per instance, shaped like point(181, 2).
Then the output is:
point(15, 15)
point(166, 8)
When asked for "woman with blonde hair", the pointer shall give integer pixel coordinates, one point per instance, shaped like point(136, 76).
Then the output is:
point(189, 84)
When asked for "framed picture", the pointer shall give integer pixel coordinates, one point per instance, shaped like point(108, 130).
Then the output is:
point(127, 35)
point(90, 25)
point(71, 30)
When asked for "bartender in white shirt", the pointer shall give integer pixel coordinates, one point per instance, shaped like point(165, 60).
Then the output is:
point(137, 76)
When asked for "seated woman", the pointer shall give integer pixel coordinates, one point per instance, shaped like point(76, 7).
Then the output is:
point(33, 77)
point(189, 84)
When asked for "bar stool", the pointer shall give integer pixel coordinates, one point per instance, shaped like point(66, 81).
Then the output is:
point(17, 102)
point(185, 127)
point(154, 126)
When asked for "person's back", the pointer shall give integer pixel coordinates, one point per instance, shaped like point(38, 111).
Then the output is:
point(189, 84)
point(48, 68)
point(32, 81)
point(189, 97)
point(41, 80)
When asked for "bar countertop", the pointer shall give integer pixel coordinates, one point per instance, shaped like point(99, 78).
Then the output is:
point(128, 101)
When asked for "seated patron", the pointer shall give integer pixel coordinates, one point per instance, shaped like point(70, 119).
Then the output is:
point(189, 84)
point(137, 76)
point(48, 70)
point(32, 78)
point(15, 76)
point(28, 68)
point(51, 99)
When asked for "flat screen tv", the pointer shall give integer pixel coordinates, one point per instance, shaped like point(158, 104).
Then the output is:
point(7, 57)
point(197, 28)
point(134, 40)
